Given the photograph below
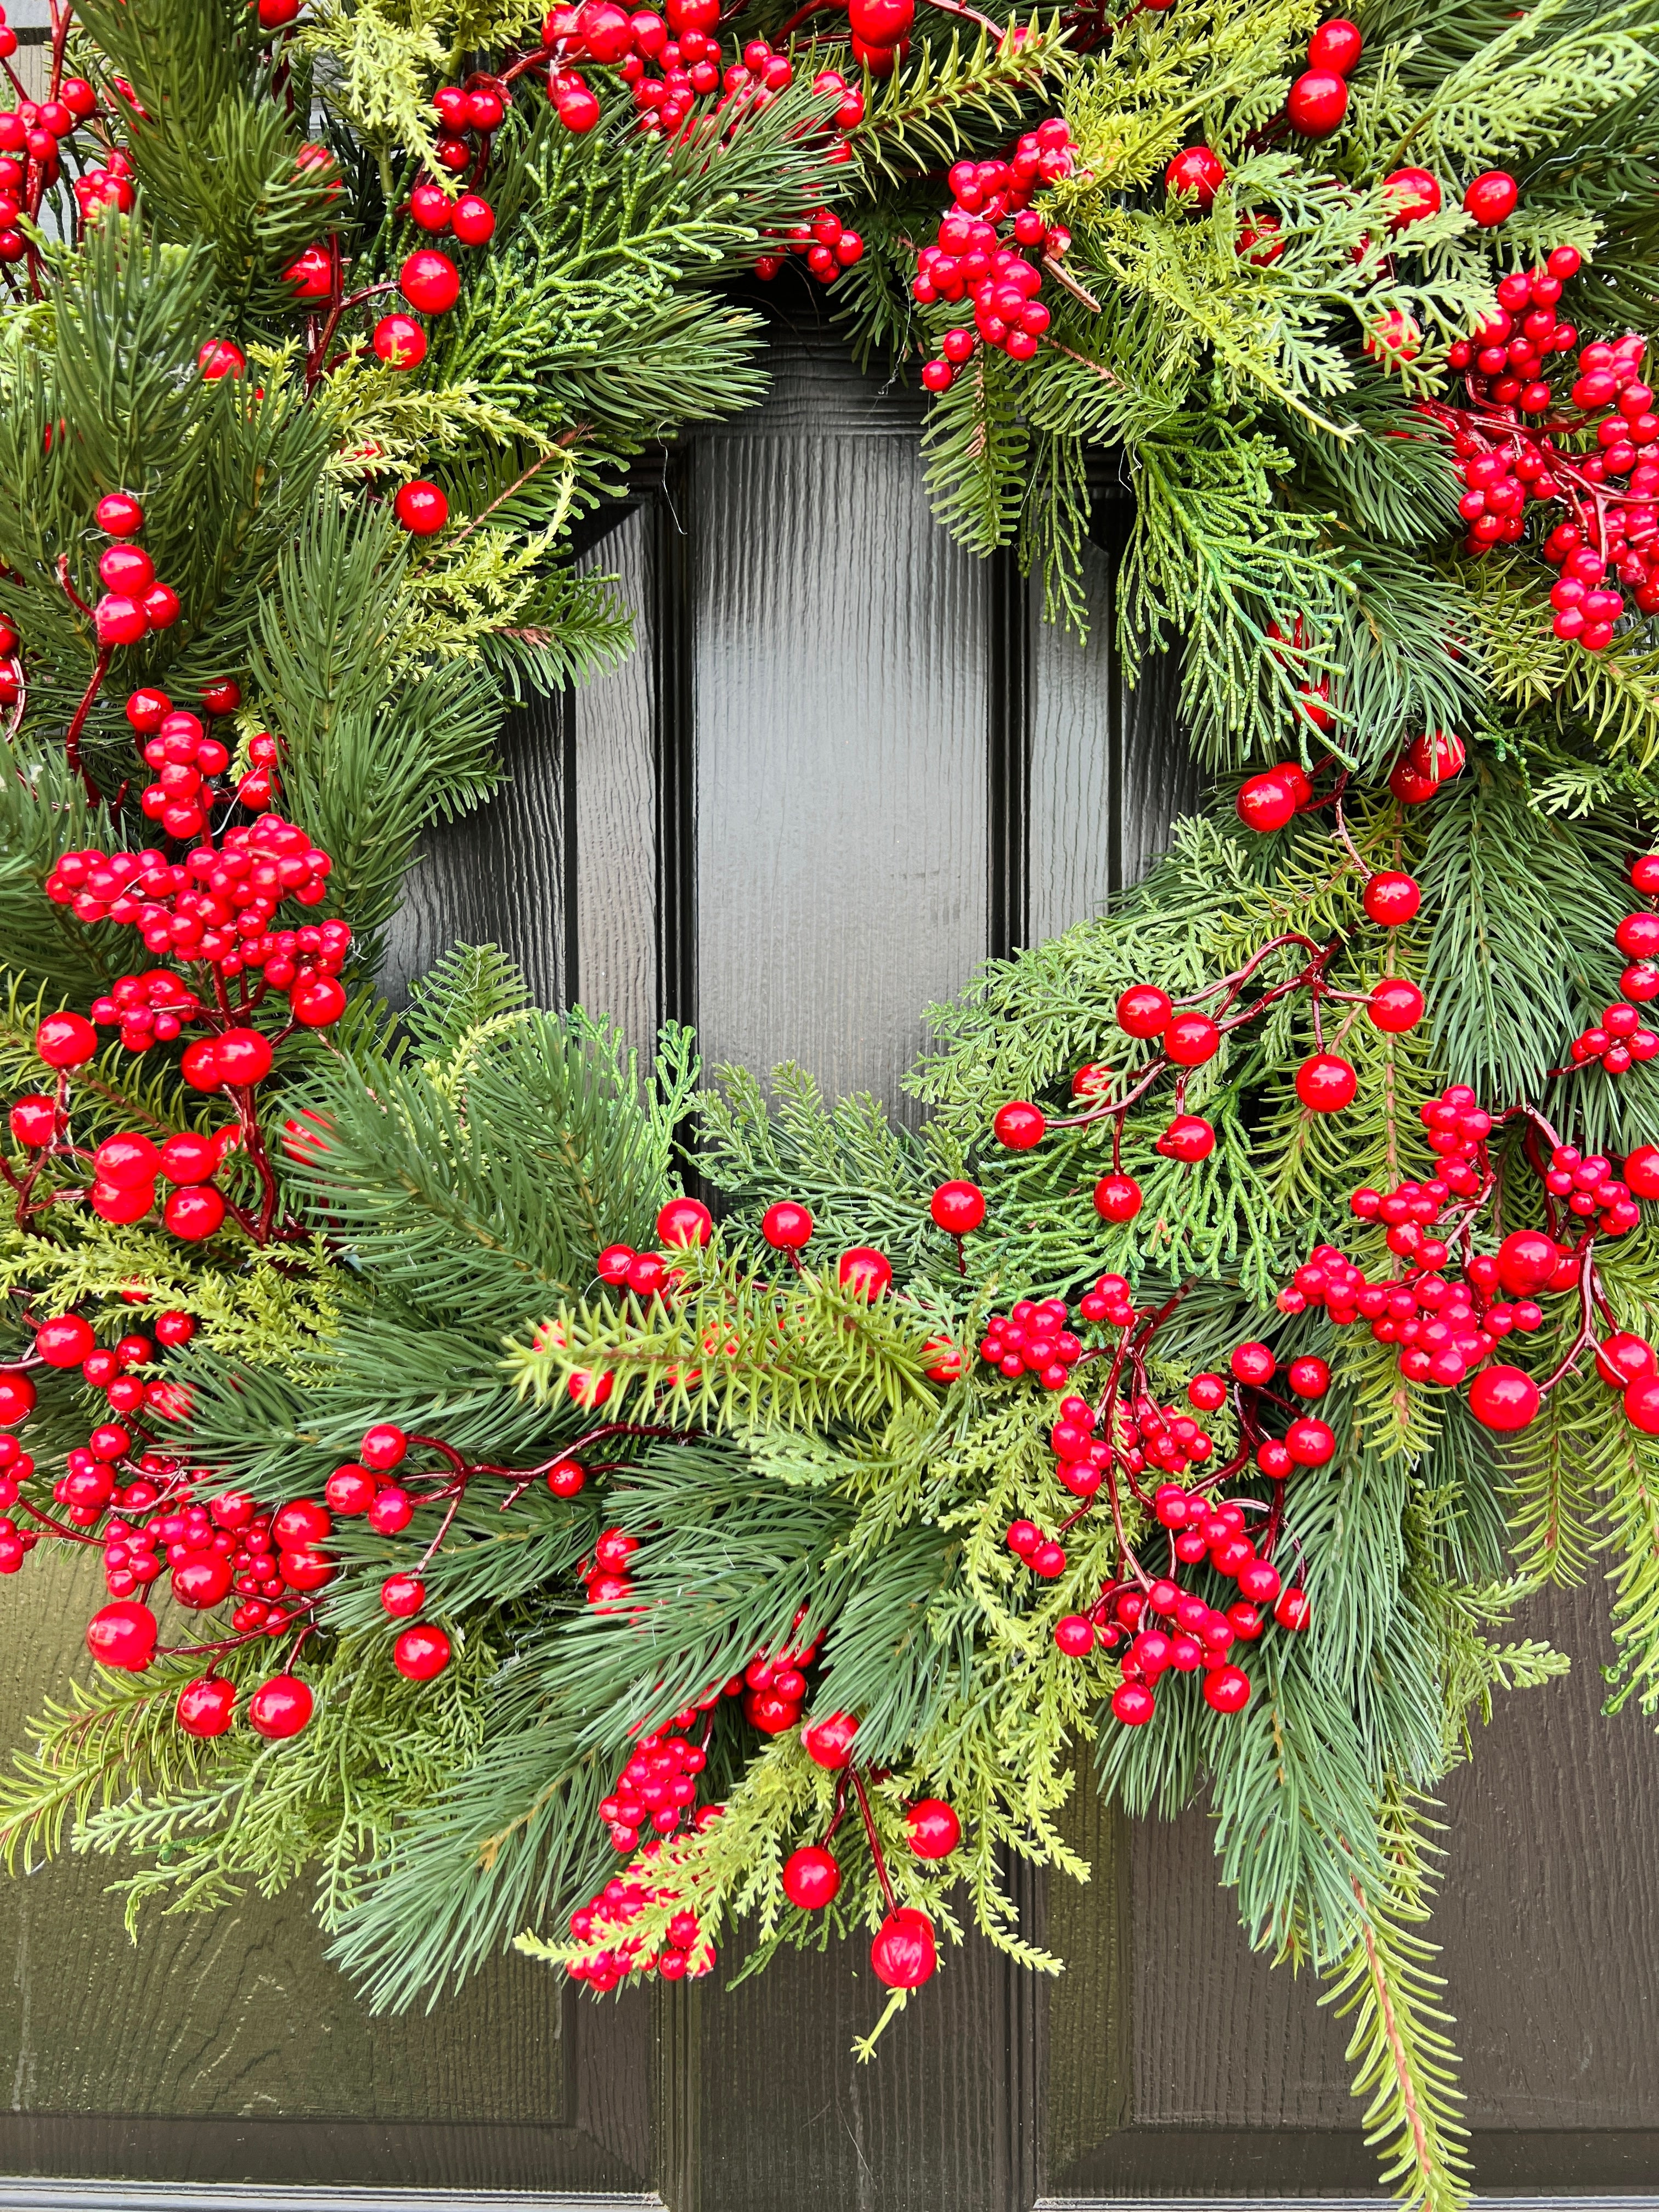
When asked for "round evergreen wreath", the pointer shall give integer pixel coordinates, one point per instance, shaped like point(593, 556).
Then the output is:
point(1259, 1315)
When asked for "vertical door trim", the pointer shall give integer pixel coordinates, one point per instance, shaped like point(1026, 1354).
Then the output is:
point(1008, 757)
point(672, 651)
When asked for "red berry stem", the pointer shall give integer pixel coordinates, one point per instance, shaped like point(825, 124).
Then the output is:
point(70, 1535)
point(853, 1775)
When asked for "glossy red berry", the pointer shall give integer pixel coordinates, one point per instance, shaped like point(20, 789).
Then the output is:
point(193, 1214)
point(400, 341)
point(1642, 1170)
point(1192, 1039)
point(904, 1955)
point(420, 1653)
point(317, 1002)
point(66, 1041)
point(1623, 1358)
point(934, 1828)
point(1196, 174)
point(828, 1742)
point(1266, 802)
point(1527, 1259)
point(1019, 1126)
point(33, 1119)
point(1391, 897)
point(126, 1161)
point(566, 1477)
point(17, 1400)
point(422, 508)
point(1326, 1082)
point(1143, 1011)
point(383, 1446)
point(811, 1878)
point(958, 1208)
point(1310, 1441)
point(1133, 1704)
point(1395, 1005)
point(123, 1635)
point(402, 1595)
point(243, 1056)
point(1117, 1198)
point(1491, 199)
point(119, 513)
point(429, 281)
point(1292, 1609)
point(786, 1226)
point(865, 1271)
point(1641, 1405)
point(63, 1341)
point(1253, 1362)
point(1413, 195)
point(473, 220)
point(1208, 1393)
point(206, 1706)
point(1074, 1634)
point(684, 1222)
point(281, 1706)
point(1504, 1398)
point(1335, 46)
point(1226, 1689)
point(1317, 102)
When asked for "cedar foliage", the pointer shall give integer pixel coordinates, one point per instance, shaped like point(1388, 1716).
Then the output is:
point(815, 1479)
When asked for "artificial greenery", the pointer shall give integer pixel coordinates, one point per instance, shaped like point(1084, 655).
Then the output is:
point(800, 1471)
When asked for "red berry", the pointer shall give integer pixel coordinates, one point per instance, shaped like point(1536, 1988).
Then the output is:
point(1019, 1126)
point(1143, 1011)
point(1308, 1377)
point(17, 1400)
point(1413, 196)
point(281, 1706)
point(242, 1057)
point(1638, 936)
point(1227, 1689)
point(1491, 199)
point(1395, 1006)
point(1292, 1609)
point(1624, 1358)
point(865, 1271)
point(420, 1653)
point(1197, 174)
point(402, 1595)
point(400, 341)
point(1266, 802)
point(1335, 46)
point(811, 1878)
point(1505, 1398)
point(350, 1490)
point(1310, 1441)
point(383, 1446)
point(1208, 1392)
point(202, 1579)
point(63, 1341)
point(1117, 1198)
point(126, 1161)
point(1642, 1170)
point(422, 508)
point(119, 513)
point(1527, 1259)
point(1133, 1704)
point(473, 220)
point(1644, 874)
point(205, 1706)
point(33, 1119)
point(193, 1214)
point(902, 1955)
point(1317, 102)
point(828, 1742)
point(123, 1635)
point(1641, 1405)
point(1326, 1082)
point(317, 1001)
point(1390, 898)
point(786, 1226)
point(934, 1828)
point(1253, 1362)
point(566, 1477)
point(1191, 1039)
point(173, 1328)
point(947, 1365)
point(1074, 1633)
point(429, 281)
point(684, 1222)
point(958, 1208)
point(66, 1041)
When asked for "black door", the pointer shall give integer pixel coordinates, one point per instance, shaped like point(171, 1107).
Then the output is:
point(845, 763)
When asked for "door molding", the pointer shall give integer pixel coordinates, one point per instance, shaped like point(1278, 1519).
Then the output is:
point(27, 2193)
point(1590, 2202)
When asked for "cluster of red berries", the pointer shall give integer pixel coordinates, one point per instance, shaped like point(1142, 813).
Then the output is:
point(31, 135)
point(1587, 1183)
point(609, 1955)
point(981, 256)
point(1317, 101)
point(1033, 1339)
point(826, 242)
point(1429, 761)
point(657, 1788)
point(1198, 1637)
point(95, 190)
point(133, 603)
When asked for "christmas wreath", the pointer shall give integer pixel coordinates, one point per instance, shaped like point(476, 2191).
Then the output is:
point(1259, 1315)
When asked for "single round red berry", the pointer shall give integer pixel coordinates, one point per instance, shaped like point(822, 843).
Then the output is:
point(1253, 1362)
point(1491, 199)
point(17, 1400)
point(786, 1226)
point(1413, 195)
point(281, 1706)
point(828, 1742)
point(958, 1208)
point(123, 1635)
point(1641, 1405)
point(865, 1271)
point(33, 1119)
point(1395, 1005)
point(1074, 1634)
point(1197, 174)
point(1391, 897)
point(63, 1341)
point(193, 1214)
point(934, 1828)
point(1117, 1198)
point(1527, 1259)
point(902, 1955)
point(1335, 46)
point(422, 508)
point(420, 1653)
point(1623, 1358)
point(1326, 1082)
point(566, 1477)
point(1019, 1126)
point(429, 281)
point(402, 1595)
point(1133, 1704)
point(1310, 1376)
point(811, 1878)
point(1191, 1039)
point(1266, 802)
point(1143, 1011)
point(1642, 1170)
point(206, 1706)
point(1208, 1393)
point(400, 341)
point(126, 1161)
point(383, 1446)
point(1317, 102)
point(243, 1057)
point(66, 1040)
point(1310, 1441)
point(1504, 1398)
point(1227, 1689)
point(684, 1222)
point(1292, 1609)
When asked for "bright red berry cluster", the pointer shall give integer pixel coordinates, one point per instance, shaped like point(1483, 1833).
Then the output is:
point(826, 242)
point(1033, 1339)
point(134, 602)
point(980, 253)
